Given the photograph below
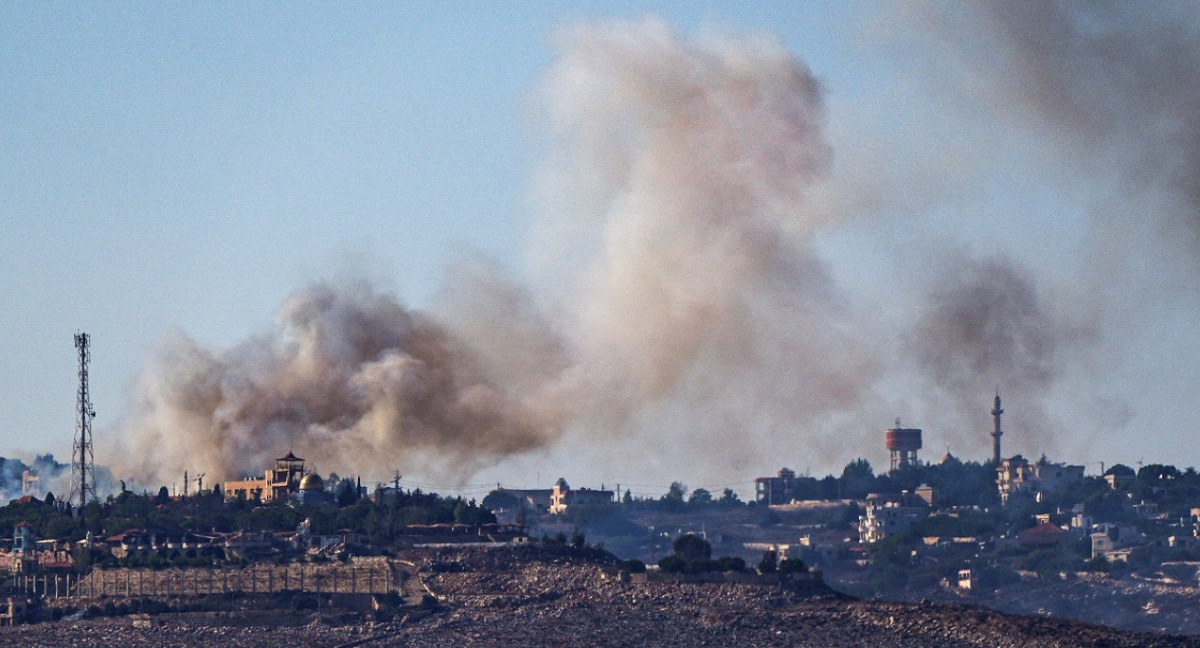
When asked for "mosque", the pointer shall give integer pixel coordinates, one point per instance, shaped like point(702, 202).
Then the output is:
point(288, 480)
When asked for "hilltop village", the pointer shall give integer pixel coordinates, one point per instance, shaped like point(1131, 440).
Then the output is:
point(981, 532)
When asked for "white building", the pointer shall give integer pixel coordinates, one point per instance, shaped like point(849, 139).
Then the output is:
point(1016, 474)
point(890, 514)
point(562, 497)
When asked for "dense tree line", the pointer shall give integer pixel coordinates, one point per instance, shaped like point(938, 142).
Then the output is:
point(207, 511)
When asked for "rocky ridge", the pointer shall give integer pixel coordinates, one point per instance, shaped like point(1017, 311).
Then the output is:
point(534, 596)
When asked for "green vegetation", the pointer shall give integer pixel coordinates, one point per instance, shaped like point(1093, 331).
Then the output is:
point(207, 512)
point(693, 555)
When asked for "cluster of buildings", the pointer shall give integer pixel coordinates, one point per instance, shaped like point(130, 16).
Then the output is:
point(884, 515)
point(288, 480)
point(559, 498)
point(27, 553)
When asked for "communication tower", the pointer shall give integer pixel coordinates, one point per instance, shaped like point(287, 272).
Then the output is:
point(83, 474)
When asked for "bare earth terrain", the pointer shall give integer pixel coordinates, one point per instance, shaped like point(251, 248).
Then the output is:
point(537, 597)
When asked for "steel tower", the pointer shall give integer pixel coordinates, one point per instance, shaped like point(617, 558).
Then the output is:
point(83, 475)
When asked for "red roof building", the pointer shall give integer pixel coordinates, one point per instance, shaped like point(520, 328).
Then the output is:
point(1042, 535)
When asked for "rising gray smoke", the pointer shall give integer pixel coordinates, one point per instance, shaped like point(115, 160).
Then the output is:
point(677, 304)
point(348, 376)
point(691, 310)
point(1109, 93)
point(678, 201)
point(984, 323)
point(1114, 76)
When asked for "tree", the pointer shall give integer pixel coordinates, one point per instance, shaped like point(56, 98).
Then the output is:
point(692, 547)
point(700, 497)
point(1121, 470)
point(672, 564)
point(163, 496)
point(857, 479)
point(729, 497)
point(673, 497)
point(1157, 474)
point(347, 493)
point(499, 499)
point(792, 566)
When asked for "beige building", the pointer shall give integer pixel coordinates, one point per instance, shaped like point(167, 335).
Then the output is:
point(886, 515)
point(562, 497)
point(277, 483)
point(1016, 474)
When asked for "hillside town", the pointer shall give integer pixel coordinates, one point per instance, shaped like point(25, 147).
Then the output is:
point(950, 529)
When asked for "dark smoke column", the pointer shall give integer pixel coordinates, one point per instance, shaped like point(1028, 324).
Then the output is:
point(996, 412)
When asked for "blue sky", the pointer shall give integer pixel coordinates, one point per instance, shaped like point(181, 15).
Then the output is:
point(186, 167)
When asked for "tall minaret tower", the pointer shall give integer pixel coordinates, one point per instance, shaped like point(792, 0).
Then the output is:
point(996, 412)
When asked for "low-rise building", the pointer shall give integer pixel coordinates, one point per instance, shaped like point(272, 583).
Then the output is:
point(1016, 474)
point(562, 497)
point(1119, 481)
point(1042, 535)
point(775, 490)
point(967, 580)
point(1113, 541)
point(537, 499)
point(887, 515)
point(280, 482)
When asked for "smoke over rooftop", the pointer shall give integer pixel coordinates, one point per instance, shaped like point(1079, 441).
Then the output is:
point(348, 376)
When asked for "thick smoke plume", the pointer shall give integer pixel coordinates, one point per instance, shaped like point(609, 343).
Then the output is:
point(679, 191)
point(686, 299)
point(1119, 78)
point(984, 323)
point(349, 377)
point(679, 301)
point(1106, 95)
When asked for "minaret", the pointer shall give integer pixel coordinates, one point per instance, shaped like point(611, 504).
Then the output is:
point(996, 412)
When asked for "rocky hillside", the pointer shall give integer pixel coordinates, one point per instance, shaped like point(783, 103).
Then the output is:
point(1128, 603)
point(538, 597)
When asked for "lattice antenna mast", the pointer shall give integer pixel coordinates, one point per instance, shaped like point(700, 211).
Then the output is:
point(83, 474)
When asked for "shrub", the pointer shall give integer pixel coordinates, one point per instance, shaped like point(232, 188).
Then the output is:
point(731, 564)
point(701, 565)
point(692, 547)
point(768, 564)
point(672, 564)
point(791, 566)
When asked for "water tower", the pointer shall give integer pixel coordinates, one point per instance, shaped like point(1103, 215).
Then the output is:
point(903, 444)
